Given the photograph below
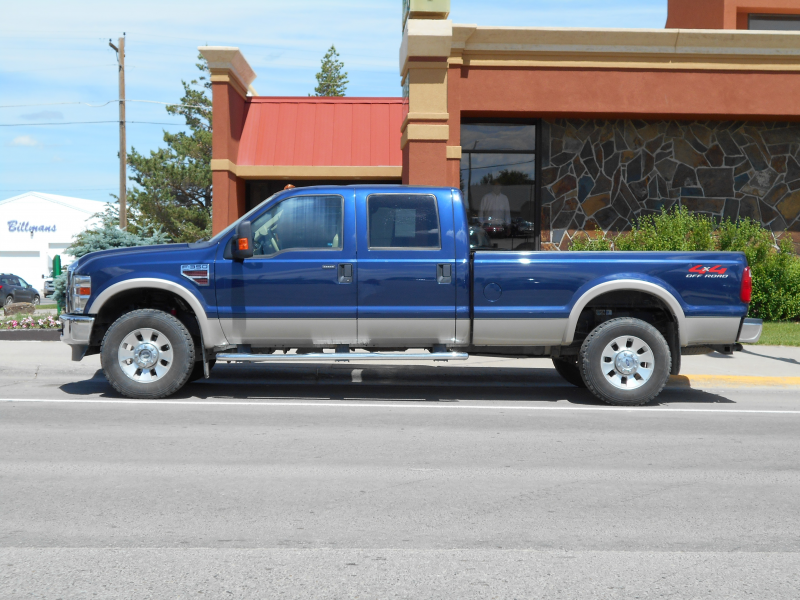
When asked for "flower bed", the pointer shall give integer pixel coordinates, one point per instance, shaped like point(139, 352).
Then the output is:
point(48, 322)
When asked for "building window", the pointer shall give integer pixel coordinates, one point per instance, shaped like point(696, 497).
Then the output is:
point(774, 22)
point(498, 181)
point(300, 223)
point(403, 221)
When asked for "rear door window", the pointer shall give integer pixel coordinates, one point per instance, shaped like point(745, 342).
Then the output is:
point(403, 221)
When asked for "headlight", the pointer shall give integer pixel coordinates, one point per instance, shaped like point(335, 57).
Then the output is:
point(80, 291)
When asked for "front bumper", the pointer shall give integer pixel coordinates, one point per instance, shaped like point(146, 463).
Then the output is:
point(750, 332)
point(76, 331)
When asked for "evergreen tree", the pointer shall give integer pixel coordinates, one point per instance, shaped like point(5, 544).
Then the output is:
point(105, 236)
point(174, 183)
point(331, 80)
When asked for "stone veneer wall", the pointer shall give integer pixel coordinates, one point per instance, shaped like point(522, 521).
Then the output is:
point(598, 175)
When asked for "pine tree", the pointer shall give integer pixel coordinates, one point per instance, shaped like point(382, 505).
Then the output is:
point(331, 80)
point(174, 183)
point(104, 236)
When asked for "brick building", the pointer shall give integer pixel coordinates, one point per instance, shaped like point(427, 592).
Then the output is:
point(569, 130)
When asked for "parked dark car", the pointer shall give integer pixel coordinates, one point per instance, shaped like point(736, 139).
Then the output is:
point(522, 228)
point(15, 289)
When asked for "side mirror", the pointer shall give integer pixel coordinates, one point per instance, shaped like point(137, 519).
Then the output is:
point(242, 243)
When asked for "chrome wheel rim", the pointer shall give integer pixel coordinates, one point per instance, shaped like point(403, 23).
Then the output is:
point(145, 355)
point(9, 300)
point(627, 362)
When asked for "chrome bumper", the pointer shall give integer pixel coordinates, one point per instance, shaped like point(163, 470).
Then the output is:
point(76, 330)
point(751, 331)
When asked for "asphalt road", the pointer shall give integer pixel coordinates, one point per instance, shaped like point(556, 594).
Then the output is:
point(488, 480)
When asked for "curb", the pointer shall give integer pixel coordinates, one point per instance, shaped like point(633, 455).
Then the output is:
point(30, 335)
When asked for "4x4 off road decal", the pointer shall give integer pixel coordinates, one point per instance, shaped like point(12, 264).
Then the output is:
point(716, 271)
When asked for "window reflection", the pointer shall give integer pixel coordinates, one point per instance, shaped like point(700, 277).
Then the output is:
point(498, 176)
point(300, 223)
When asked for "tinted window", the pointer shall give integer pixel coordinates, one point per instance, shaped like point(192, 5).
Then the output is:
point(775, 22)
point(300, 223)
point(498, 136)
point(403, 221)
point(498, 182)
point(13, 281)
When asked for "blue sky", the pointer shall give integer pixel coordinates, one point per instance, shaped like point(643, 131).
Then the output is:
point(57, 52)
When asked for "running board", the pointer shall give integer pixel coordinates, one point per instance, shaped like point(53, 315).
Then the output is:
point(341, 356)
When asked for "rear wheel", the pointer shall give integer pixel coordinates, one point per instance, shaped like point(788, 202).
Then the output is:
point(569, 370)
point(147, 354)
point(625, 362)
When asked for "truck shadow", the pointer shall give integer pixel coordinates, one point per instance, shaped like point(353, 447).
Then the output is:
point(372, 383)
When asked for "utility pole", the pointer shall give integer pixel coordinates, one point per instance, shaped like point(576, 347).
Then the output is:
point(123, 154)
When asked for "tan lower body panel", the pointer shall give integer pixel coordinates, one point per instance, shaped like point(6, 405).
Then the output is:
point(290, 332)
point(518, 332)
point(711, 330)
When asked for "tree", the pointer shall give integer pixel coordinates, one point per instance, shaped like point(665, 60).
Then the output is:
point(174, 183)
point(506, 177)
point(331, 80)
point(105, 236)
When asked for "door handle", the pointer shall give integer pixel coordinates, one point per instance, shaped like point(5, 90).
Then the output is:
point(444, 273)
point(345, 273)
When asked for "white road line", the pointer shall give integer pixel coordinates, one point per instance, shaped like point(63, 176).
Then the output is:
point(448, 405)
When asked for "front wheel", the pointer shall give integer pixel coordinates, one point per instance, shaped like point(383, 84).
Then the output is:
point(147, 354)
point(625, 362)
point(36, 300)
point(198, 372)
point(9, 300)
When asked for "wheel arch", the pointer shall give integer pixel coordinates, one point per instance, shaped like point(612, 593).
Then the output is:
point(210, 328)
point(623, 285)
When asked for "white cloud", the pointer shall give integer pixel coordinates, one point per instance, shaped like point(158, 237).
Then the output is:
point(24, 140)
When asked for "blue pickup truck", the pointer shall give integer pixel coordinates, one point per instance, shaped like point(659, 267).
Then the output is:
point(368, 273)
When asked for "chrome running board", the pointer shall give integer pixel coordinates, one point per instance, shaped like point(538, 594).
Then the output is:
point(340, 356)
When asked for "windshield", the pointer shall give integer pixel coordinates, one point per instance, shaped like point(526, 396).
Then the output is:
point(246, 216)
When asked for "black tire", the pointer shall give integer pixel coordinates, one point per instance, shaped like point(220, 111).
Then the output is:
point(180, 344)
point(594, 374)
point(197, 370)
point(568, 369)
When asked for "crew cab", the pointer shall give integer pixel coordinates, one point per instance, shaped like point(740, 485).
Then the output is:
point(369, 273)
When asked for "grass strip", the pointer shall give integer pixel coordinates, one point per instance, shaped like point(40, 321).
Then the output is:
point(783, 333)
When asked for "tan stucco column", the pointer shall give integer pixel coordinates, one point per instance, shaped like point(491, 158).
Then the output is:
point(423, 66)
point(231, 77)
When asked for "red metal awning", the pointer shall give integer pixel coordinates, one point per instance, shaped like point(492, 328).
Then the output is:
point(321, 131)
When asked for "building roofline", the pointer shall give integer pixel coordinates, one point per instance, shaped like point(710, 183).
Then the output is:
point(60, 200)
point(325, 100)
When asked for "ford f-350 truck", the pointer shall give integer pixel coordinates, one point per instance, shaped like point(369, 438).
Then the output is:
point(367, 273)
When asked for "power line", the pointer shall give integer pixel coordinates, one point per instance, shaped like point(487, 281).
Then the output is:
point(86, 123)
point(62, 189)
point(103, 104)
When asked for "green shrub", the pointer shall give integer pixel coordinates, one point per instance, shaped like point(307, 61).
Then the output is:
point(776, 285)
point(775, 267)
point(585, 243)
point(677, 230)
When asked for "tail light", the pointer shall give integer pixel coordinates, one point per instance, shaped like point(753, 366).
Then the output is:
point(746, 293)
